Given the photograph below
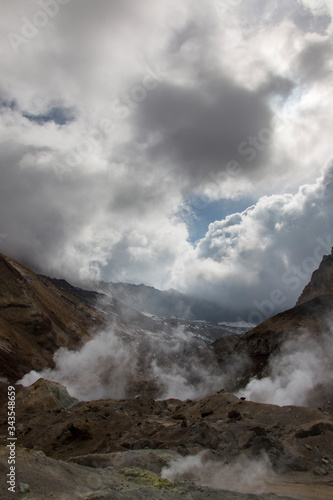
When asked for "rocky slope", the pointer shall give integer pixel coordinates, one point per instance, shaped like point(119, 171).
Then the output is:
point(69, 481)
point(167, 304)
point(36, 318)
point(142, 448)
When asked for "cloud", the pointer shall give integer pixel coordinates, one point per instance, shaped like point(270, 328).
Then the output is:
point(307, 16)
point(270, 249)
point(113, 114)
point(315, 61)
point(199, 130)
point(57, 114)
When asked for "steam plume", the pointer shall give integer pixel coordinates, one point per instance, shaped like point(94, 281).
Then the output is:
point(100, 369)
point(243, 476)
point(107, 367)
point(299, 375)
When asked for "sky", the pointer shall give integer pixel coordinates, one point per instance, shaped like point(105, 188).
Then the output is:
point(182, 144)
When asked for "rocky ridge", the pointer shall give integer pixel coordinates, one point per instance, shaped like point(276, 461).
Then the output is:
point(321, 283)
point(167, 303)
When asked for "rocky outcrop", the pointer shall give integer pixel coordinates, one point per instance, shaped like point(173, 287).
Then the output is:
point(44, 395)
point(50, 420)
point(321, 283)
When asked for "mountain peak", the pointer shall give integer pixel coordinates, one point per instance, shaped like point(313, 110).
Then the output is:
point(321, 282)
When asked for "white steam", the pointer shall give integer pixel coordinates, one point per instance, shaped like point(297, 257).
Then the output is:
point(100, 369)
point(172, 367)
point(298, 374)
point(185, 381)
point(107, 367)
point(181, 374)
point(244, 475)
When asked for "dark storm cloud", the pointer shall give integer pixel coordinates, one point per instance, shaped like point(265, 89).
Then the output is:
point(201, 129)
point(276, 85)
point(42, 216)
point(7, 103)
point(309, 22)
point(75, 227)
point(315, 62)
point(31, 212)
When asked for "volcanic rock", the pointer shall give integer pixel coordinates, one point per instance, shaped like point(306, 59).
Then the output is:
point(321, 282)
point(44, 395)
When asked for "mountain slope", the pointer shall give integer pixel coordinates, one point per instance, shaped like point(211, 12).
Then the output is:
point(37, 318)
point(38, 315)
point(167, 304)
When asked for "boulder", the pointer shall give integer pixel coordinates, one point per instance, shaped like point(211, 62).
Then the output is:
point(44, 395)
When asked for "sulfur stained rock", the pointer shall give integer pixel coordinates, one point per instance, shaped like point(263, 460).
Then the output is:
point(44, 395)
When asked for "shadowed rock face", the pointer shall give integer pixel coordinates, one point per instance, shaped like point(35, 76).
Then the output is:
point(36, 319)
point(321, 282)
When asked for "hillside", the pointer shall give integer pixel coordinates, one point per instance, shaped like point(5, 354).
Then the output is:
point(262, 342)
point(38, 315)
point(167, 303)
point(36, 318)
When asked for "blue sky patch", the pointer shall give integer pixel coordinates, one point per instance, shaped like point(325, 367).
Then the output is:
point(201, 212)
